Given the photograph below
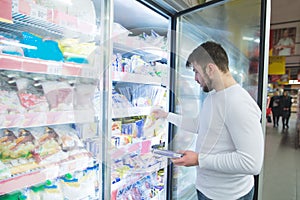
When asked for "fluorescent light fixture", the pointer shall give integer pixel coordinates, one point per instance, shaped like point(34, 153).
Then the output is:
point(248, 38)
point(18, 44)
point(257, 40)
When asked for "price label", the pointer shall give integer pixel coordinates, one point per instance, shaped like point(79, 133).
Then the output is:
point(55, 69)
point(15, 5)
point(38, 12)
point(88, 72)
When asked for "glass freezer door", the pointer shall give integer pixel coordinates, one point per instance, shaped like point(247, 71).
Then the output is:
point(236, 25)
point(51, 93)
point(139, 74)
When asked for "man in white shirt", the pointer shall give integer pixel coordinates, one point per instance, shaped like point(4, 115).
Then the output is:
point(285, 44)
point(230, 144)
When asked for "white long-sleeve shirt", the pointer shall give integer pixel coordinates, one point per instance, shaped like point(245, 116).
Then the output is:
point(230, 143)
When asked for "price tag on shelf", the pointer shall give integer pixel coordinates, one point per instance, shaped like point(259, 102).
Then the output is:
point(88, 72)
point(55, 69)
point(15, 5)
point(38, 12)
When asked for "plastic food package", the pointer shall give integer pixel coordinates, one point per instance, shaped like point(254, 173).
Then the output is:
point(141, 95)
point(77, 52)
point(48, 144)
point(25, 144)
point(7, 141)
point(9, 101)
point(120, 101)
point(83, 96)
point(80, 185)
point(52, 191)
point(31, 95)
point(4, 171)
point(69, 138)
point(59, 95)
point(43, 47)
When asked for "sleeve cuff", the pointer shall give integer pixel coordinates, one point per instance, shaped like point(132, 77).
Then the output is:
point(174, 118)
point(201, 160)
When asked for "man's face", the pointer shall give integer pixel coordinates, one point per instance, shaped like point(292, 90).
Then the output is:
point(286, 33)
point(202, 78)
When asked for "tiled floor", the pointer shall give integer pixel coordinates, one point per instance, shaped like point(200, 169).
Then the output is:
point(281, 179)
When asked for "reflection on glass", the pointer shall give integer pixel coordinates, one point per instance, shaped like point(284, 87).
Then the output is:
point(236, 26)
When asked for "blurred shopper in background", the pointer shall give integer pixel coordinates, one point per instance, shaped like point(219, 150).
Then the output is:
point(276, 108)
point(286, 104)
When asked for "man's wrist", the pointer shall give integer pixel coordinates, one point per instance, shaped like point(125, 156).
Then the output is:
point(166, 115)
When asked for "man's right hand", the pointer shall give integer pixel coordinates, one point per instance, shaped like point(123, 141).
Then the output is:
point(159, 113)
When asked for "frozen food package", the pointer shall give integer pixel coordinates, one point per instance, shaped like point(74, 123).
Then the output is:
point(116, 127)
point(167, 153)
point(48, 147)
point(119, 101)
point(24, 145)
point(52, 190)
point(7, 142)
point(76, 51)
point(10, 46)
point(17, 151)
point(43, 47)
point(123, 89)
point(9, 101)
point(79, 185)
point(68, 138)
point(4, 171)
point(31, 95)
point(59, 94)
point(83, 96)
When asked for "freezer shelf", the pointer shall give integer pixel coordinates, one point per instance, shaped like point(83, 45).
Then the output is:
point(130, 112)
point(136, 78)
point(44, 172)
point(24, 64)
point(46, 118)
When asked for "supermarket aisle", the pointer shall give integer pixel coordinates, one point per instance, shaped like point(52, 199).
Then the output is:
point(282, 163)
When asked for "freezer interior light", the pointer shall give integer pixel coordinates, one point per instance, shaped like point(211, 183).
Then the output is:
point(248, 38)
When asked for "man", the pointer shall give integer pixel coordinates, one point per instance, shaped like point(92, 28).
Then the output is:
point(285, 45)
point(230, 146)
point(276, 108)
point(286, 104)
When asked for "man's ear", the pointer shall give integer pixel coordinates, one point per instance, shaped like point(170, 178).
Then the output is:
point(210, 69)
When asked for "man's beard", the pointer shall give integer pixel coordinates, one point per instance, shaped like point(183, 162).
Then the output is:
point(207, 87)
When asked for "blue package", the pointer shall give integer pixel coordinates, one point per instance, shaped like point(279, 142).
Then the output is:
point(46, 50)
point(77, 60)
point(140, 128)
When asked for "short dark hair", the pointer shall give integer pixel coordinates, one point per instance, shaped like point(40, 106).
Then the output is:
point(209, 52)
